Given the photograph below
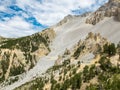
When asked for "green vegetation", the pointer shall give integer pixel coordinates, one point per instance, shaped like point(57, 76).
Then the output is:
point(78, 51)
point(39, 84)
point(112, 83)
point(17, 70)
point(108, 78)
point(4, 64)
point(26, 44)
point(73, 83)
point(36, 84)
point(110, 49)
point(66, 62)
point(12, 80)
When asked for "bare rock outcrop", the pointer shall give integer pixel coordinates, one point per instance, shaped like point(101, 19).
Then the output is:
point(65, 19)
point(118, 16)
point(112, 8)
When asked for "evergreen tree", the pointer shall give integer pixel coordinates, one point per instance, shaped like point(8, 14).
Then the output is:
point(110, 49)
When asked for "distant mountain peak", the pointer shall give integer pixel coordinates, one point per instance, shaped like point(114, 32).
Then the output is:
point(69, 17)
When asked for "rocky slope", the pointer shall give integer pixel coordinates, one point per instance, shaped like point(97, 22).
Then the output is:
point(79, 67)
point(21, 54)
point(112, 8)
point(72, 46)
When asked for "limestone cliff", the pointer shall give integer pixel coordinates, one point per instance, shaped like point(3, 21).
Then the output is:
point(112, 8)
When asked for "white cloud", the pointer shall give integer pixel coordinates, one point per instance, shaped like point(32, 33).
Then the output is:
point(46, 12)
point(15, 27)
point(51, 11)
point(18, 23)
point(2, 8)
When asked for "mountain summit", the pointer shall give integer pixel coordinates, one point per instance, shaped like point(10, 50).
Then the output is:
point(112, 8)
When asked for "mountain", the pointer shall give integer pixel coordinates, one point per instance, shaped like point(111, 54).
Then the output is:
point(21, 54)
point(78, 53)
point(112, 8)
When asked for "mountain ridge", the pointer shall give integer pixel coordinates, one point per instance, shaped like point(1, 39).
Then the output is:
point(23, 52)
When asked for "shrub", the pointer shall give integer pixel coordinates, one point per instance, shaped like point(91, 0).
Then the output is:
point(110, 49)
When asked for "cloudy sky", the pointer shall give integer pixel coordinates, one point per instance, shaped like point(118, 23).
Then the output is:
point(24, 17)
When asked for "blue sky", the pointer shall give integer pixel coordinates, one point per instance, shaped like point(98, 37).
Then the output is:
point(25, 17)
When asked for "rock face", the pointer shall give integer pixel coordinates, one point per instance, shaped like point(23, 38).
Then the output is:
point(118, 14)
point(112, 8)
point(21, 54)
point(92, 44)
point(65, 19)
point(70, 17)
